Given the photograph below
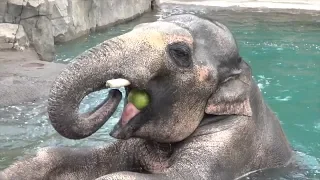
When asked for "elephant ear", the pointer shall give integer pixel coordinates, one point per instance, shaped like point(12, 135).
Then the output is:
point(232, 96)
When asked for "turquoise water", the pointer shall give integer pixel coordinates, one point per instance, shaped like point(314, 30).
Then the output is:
point(283, 51)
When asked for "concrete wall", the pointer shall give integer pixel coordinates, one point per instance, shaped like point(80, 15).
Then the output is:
point(49, 21)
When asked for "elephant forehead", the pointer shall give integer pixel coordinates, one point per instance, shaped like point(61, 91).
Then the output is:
point(157, 40)
point(178, 38)
point(160, 34)
point(138, 38)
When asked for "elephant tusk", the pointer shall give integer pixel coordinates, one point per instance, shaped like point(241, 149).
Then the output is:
point(117, 83)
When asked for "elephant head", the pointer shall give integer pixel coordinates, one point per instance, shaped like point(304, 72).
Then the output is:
point(190, 67)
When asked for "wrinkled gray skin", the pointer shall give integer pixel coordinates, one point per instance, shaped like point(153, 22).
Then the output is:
point(207, 118)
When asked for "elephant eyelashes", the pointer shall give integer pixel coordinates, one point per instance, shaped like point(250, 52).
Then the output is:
point(180, 54)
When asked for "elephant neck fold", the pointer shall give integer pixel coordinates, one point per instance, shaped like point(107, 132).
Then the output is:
point(208, 119)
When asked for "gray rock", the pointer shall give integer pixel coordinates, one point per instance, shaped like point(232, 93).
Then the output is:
point(8, 18)
point(14, 7)
point(22, 40)
point(60, 9)
point(155, 4)
point(28, 25)
point(3, 9)
point(34, 8)
point(80, 14)
point(86, 16)
point(42, 38)
point(112, 11)
point(61, 21)
point(45, 7)
point(13, 36)
point(39, 31)
point(49, 21)
point(61, 29)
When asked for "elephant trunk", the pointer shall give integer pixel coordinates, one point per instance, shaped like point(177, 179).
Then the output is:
point(119, 57)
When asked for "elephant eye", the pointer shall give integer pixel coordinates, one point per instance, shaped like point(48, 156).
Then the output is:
point(180, 53)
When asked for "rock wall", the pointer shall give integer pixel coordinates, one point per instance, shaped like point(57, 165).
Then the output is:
point(13, 36)
point(49, 21)
point(3, 6)
point(74, 18)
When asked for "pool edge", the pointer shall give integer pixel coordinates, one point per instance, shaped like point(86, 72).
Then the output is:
point(311, 6)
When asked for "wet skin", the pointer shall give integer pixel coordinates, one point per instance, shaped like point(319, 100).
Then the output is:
point(206, 119)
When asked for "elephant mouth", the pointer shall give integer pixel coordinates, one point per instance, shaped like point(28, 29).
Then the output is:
point(129, 110)
point(131, 118)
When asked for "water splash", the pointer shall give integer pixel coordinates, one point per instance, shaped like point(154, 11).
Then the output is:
point(287, 98)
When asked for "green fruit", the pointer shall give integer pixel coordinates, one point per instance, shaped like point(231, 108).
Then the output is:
point(139, 98)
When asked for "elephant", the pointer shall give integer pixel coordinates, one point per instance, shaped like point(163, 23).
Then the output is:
point(206, 119)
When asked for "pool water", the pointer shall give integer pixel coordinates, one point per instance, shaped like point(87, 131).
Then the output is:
point(283, 51)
